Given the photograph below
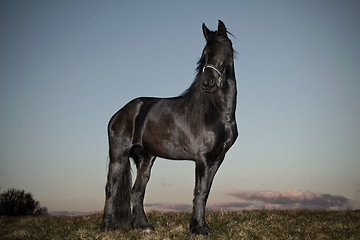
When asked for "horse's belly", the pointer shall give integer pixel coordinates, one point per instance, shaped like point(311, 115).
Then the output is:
point(168, 144)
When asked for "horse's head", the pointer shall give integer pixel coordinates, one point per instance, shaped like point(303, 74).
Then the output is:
point(217, 58)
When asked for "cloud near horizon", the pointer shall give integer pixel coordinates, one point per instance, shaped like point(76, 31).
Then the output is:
point(295, 198)
point(284, 199)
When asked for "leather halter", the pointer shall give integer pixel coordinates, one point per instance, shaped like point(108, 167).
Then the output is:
point(219, 82)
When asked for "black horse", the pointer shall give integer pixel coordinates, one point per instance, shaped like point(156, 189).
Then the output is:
point(198, 125)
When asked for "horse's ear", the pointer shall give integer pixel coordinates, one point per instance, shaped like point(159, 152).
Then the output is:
point(222, 29)
point(206, 31)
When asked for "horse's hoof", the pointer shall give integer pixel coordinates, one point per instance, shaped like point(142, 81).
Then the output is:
point(203, 232)
point(199, 230)
point(109, 227)
point(145, 227)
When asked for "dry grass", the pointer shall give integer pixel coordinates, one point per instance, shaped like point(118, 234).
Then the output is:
point(254, 224)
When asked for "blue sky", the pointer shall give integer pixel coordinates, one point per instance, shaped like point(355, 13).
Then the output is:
point(67, 66)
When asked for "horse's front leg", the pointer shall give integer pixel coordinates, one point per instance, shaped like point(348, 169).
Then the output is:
point(204, 175)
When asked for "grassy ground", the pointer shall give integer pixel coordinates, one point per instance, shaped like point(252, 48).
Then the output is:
point(254, 224)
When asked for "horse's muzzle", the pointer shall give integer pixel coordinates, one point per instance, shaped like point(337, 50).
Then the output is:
point(209, 85)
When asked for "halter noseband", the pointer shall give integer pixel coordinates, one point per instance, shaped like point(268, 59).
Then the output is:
point(219, 81)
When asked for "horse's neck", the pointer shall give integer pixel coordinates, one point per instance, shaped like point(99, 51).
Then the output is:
point(228, 99)
point(232, 90)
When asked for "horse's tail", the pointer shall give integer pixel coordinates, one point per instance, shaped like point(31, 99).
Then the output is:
point(124, 196)
point(117, 211)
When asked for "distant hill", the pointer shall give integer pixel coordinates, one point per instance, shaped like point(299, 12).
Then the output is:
point(72, 213)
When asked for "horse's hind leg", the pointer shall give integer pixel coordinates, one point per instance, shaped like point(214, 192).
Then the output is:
point(144, 162)
point(117, 211)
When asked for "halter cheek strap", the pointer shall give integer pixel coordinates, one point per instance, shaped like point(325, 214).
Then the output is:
point(219, 82)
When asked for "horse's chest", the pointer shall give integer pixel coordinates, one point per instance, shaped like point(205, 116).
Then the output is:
point(220, 139)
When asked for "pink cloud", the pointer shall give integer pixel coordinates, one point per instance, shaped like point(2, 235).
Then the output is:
point(294, 198)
